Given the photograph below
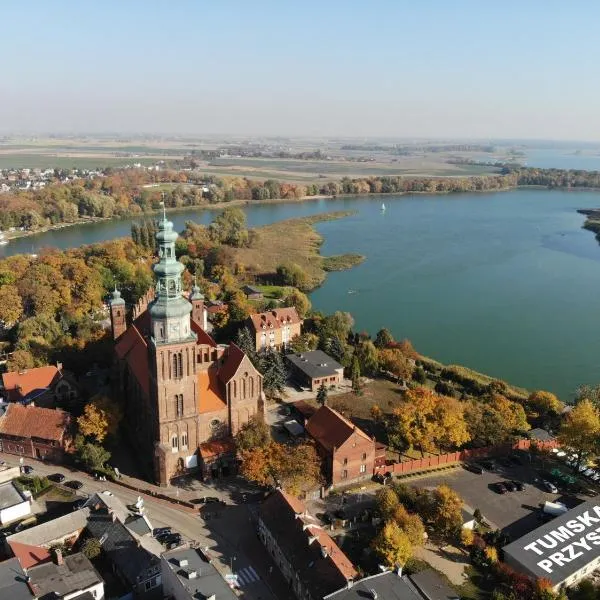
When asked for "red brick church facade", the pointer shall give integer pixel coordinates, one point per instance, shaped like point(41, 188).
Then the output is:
point(180, 389)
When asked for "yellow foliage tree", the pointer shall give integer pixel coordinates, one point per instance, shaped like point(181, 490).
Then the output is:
point(491, 554)
point(446, 510)
point(392, 545)
point(581, 430)
point(387, 502)
point(467, 537)
point(101, 417)
point(544, 403)
point(410, 524)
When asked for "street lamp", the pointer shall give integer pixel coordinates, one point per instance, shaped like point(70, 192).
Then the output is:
point(231, 559)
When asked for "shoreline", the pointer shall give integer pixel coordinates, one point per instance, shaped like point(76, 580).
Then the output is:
point(240, 203)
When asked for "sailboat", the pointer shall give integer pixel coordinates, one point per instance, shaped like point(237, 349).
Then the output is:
point(3, 240)
point(382, 207)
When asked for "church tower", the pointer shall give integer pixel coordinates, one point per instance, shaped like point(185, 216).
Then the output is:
point(117, 314)
point(199, 315)
point(172, 348)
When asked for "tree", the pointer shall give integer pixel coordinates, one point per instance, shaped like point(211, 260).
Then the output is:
point(446, 515)
point(452, 427)
point(11, 305)
point(93, 456)
point(580, 431)
point(383, 338)
point(367, 357)
point(588, 392)
point(91, 548)
point(304, 342)
point(299, 301)
point(386, 501)
point(101, 417)
point(272, 368)
point(322, 394)
point(355, 375)
point(246, 344)
point(412, 525)
point(545, 403)
point(253, 434)
point(392, 545)
point(293, 275)
point(20, 360)
point(229, 228)
point(393, 361)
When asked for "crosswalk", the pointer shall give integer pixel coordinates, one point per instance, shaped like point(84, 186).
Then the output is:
point(246, 576)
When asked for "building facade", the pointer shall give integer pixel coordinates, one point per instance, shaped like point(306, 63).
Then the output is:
point(180, 389)
point(348, 453)
point(315, 368)
point(275, 328)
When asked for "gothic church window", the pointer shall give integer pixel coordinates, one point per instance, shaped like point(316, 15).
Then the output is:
point(179, 405)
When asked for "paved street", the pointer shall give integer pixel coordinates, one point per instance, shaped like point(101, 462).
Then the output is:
point(230, 538)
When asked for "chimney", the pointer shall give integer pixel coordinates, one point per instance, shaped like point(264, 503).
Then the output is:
point(58, 557)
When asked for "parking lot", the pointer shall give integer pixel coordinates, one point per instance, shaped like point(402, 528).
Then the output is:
point(516, 512)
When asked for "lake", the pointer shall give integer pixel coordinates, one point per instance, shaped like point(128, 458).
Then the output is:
point(505, 283)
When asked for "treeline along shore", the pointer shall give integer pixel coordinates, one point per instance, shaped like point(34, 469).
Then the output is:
point(131, 192)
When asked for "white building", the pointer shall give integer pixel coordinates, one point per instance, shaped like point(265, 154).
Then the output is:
point(13, 504)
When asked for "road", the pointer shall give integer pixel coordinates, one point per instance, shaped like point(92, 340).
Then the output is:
point(229, 534)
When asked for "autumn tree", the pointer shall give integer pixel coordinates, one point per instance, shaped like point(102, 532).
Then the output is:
point(101, 417)
point(383, 338)
point(253, 434)
point(11, 305)
point(229, 227)
point(293, 275)
point(544, 403)
point(367, 356)
point(392, 545)
point(299, 301)
point(446, 510)
point(580, 431)
point(411, 524)
point(304, 343)
point(386, 501)
point(395, 362)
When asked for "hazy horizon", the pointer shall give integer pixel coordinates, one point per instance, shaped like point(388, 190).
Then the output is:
point(430, 70)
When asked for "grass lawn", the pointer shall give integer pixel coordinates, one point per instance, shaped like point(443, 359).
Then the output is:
point(48, 161)
point(274, 292)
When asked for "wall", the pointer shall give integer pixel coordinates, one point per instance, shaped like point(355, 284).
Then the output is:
point(438, 460)
point(96, 590)
point(38, 449)
point(12, 513)
point(349, 457)
point(9, 473)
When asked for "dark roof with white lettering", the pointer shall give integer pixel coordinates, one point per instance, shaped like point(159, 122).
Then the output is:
point(565, 535)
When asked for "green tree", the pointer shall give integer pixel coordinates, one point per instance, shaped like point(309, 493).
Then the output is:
point(304, 342)
point(368, 358)
point(392, 545)
point(299, 301)
point(93, 456)
point(355, 375)
point(91, 548)
point(293, 275)
point(272, 368)
point(383, 338)
point(322, 395)
point(229, 228)
point(246, 344)
point(253, 434)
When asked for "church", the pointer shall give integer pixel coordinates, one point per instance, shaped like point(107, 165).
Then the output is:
point(184, 395)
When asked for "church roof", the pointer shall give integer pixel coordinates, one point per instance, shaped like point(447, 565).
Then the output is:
point(203, 337)
point(234, 359)
point(132, 348)
point(209, 391)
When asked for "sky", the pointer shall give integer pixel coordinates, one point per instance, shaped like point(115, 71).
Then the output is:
point(373, 68)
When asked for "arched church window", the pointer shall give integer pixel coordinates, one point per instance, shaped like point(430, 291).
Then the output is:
point(175, 367)
point(180, 362)
point(175, 442)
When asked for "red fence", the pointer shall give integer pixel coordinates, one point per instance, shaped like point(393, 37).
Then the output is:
point(439, 460)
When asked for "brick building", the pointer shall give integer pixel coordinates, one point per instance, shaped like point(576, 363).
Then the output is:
point(179, 388)
point(275, 328)
point(311, 369)
point(308, 558)
point(34, 432)
point(347, 451)
point(45, 386)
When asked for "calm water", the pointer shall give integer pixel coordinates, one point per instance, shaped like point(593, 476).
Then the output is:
point(506, 283)
point(554, 158)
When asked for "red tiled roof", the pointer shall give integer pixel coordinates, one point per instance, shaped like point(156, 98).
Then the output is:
point(234, 359)
point(132, 347)
point(203, 337)
point(19, 384)
point(277, 318)
point(317, 559)
point(29, 556)
point(217, 447)
point(33, 421)
point(209, 395)
point(331, 429)
point(304, 408)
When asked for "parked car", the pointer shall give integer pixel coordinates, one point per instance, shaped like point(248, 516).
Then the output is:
point(174, 539)
point(74, 484)
point(474, 468)
point(161, 531)
point(56, 477)
point(519, 485)
point(549, 486)
point(27, 469)
point(510, 486)
point(210, 500)
point(499, 488)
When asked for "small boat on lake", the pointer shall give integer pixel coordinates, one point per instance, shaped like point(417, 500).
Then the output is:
point(382, 207)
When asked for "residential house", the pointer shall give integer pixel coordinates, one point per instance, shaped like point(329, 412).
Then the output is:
point(431, 586)
point(34, 432)
point(347, 451)
point(307, 556)
point(13, 581)
point(47, 386)
point(387, 586)
point(275, 328)
point(311, 369)
point(66, 578)
point(187, 574)
point(252, 293)
point(13, 503)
